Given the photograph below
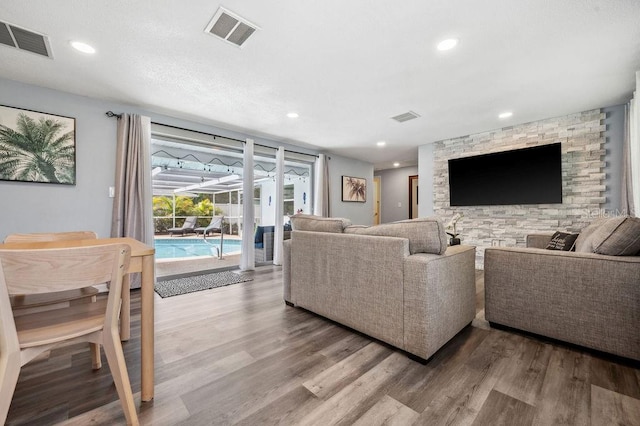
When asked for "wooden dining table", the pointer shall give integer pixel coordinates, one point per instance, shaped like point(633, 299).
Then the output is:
point(142, 260)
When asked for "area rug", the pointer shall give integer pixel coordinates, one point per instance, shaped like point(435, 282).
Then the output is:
point(195, 283)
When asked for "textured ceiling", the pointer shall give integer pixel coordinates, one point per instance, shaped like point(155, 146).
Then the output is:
point(345, 66)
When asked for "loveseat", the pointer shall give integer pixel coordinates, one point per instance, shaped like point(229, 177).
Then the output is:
point(396, 282)
point(588, 297)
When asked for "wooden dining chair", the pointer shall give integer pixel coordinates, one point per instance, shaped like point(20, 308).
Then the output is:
point(50, 236)
point(23, 304)
point(38, 271)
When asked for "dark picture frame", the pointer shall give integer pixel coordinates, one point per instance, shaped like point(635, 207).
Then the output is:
point(354, 189)
point(37, 146)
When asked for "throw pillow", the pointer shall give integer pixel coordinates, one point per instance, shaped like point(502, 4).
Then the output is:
point(307, 222)
point(425, 235)
point(618, 236)
point(562, 241)
point(584, 243)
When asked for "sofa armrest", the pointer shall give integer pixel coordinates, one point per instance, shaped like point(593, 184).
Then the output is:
point(439, 298)
point(538, 240)
point(583, 298)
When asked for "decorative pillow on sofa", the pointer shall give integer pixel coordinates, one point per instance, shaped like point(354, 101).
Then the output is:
point(584, 242)
point(425, 235)
point(307, 222)
point(618, 236)
point(562, 241)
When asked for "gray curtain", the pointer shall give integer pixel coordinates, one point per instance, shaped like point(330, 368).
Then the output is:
point(247, 255)
point(132, 215)
point(627, 182)
point(631, 155)
point(278, 234)
point(321, 205)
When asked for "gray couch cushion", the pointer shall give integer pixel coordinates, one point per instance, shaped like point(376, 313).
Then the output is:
point(425, 235)
point(307, 222)
point(618, 236)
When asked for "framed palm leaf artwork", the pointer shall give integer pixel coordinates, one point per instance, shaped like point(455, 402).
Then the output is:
point(354, 189)
point(37, 147)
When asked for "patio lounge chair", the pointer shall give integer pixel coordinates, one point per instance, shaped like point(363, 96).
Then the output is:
point(214, 226)
point(188, 226)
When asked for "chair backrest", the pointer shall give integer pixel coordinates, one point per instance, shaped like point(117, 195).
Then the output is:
point(51, 236)
point(260, 231)
point(35, 271)
point(216, 222)
point(190, 222)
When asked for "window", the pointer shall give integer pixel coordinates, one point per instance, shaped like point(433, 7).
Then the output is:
point(288, 209)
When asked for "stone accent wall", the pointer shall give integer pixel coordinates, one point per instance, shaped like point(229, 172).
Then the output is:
point(583, 189)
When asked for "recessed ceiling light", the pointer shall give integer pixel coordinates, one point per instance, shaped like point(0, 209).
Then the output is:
point(83, 47)
point(396, 164)
point(448, 44)
point(381, 143)
point(293, 115)
point(506, 114)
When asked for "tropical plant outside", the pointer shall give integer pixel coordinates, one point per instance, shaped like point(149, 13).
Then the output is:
point(37, 151)
point(184, 206)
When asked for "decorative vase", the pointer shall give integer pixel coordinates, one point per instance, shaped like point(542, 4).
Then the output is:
point(454, 241)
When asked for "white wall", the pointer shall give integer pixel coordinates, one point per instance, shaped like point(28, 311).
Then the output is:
point(394, 193)
point(425, 174)
point(37, 207)
point(302, 195)
point(268, 189)
point(359, 213)
point(40, 207)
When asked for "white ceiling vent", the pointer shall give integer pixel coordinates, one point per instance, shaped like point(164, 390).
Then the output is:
point(405, 117)
point(230, 27)
point(22, 39)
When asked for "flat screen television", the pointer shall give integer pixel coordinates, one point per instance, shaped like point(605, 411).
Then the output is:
point(522, 176)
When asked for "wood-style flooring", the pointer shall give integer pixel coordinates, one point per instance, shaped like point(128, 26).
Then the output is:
point(238, 355)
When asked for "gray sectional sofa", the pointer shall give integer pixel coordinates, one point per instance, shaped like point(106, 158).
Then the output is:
point(396, 282)
point(589, 297)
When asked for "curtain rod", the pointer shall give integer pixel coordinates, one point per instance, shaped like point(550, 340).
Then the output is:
point(197, 131)
point(112, 114)
point(287, 150)
point(233, 139)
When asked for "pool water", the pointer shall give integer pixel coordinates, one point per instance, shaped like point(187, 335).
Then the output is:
point(173, 248)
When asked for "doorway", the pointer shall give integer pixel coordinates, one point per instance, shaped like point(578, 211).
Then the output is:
point(376, 200)
point(413, 197)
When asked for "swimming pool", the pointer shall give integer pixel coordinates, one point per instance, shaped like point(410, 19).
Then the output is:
point(172, 248)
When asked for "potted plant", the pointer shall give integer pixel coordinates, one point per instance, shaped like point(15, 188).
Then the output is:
point(451, 226)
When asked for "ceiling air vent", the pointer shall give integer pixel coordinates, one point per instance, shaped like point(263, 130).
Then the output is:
point(22, 39)
point(230, 27)
point(405, 117)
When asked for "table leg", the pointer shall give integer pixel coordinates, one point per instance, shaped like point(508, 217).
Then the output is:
point(147, 328)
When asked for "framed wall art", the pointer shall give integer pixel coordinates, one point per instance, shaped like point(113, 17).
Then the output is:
point(37, 146)
point(354, 189)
